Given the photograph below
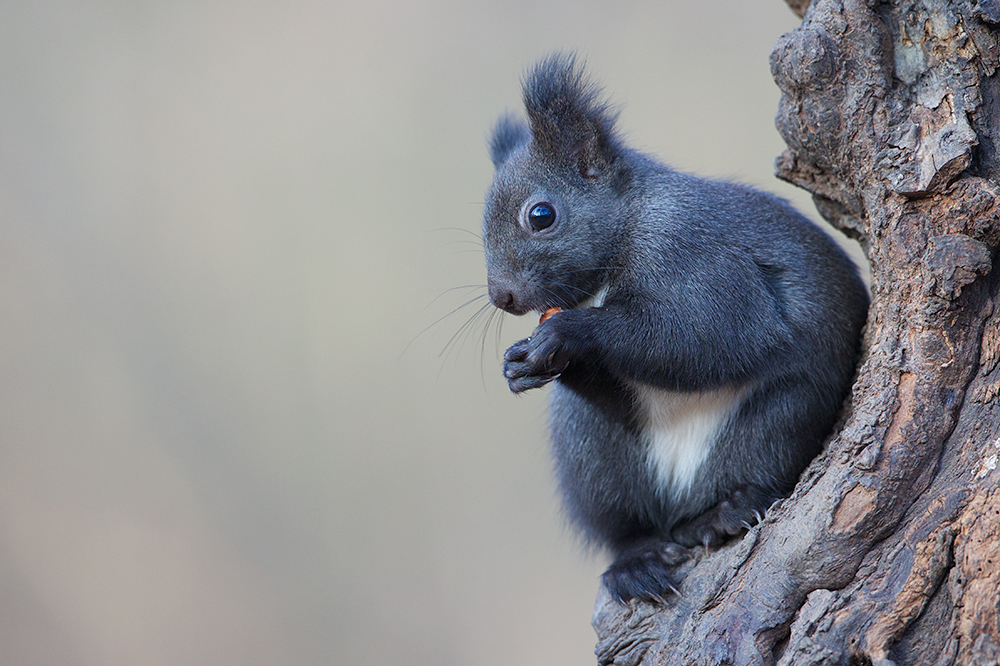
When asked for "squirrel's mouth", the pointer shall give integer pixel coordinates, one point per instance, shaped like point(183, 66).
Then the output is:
point(594, 301)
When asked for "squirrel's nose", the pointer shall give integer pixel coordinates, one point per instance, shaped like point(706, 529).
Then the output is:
point(503, 299)
point(502, 296)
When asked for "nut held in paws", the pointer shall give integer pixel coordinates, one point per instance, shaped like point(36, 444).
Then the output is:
point(548, 313)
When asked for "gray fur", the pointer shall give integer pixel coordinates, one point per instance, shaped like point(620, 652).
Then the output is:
point(711, 288)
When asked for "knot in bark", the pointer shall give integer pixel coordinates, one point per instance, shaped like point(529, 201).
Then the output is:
point(954, 261)
point(806, 58)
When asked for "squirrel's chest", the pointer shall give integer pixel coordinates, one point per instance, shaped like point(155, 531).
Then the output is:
point(680, 430)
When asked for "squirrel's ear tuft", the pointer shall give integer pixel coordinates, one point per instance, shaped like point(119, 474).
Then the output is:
point(570, 119)
point(508, 134)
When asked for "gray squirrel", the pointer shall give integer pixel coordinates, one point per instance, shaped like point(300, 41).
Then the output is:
point(707, 338)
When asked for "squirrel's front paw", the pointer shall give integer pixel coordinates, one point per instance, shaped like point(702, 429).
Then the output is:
point(534, 361)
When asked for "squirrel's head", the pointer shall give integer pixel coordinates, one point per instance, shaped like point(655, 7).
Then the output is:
point(554, 214)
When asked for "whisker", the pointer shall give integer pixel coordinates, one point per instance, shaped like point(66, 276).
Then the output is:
point(482, 343)
point(464, 231)
point(466, 287)
point(567, 289)
point(468, 302)
point(498, 337)
point(596, 268)
point(464, 328)
point(444, 316)
point(463, 241)
point(482, 317)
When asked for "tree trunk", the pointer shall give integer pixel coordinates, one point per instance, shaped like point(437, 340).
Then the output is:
point(889, 549)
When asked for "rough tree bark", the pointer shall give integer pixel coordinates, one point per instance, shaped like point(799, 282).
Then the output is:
point(889, 549)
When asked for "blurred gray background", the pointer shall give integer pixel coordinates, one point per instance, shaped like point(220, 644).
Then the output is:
point(235, 427)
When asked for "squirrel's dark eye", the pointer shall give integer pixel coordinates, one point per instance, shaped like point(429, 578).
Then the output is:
point(541, 216)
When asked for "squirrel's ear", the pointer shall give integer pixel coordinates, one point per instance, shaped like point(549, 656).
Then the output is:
point(570, 120)
point(508, 134)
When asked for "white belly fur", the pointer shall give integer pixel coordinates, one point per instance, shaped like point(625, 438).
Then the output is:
point(681, 429)
point(596, 300)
